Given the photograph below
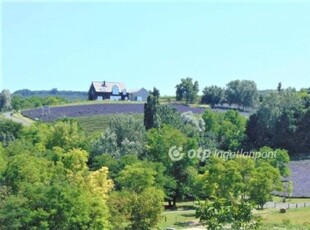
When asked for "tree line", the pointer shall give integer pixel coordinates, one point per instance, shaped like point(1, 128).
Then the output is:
point(57, 176)
point(242, 93)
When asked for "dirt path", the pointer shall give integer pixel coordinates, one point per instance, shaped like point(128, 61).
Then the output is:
point(18, 118)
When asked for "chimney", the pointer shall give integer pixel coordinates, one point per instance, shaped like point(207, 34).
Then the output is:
point(103, 83)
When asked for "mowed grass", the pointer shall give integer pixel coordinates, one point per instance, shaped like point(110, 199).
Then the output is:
point(291, 200)
point(177, 219)
point(98, 123)
point(298, 218)
point(181, 217)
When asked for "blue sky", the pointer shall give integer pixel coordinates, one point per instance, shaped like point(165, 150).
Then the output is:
point(66, 45)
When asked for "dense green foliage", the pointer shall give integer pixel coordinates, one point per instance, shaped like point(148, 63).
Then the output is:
point(19, 103)
point(227, 129)
point(5, 100)
point(281, 122)
point(213, 95)
point(243, 93)
point(55, 176)
point(93, 125)
point(45, 183)
point(150, 109)
point(9, 131)
point(68, 95)
point(232, 187)
point(187, 90)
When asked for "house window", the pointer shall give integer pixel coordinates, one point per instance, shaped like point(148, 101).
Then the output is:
point(115, 90)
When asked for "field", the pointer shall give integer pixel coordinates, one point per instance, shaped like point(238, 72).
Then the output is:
point(49, 114)
point(271, 218)
point(292, 219)
point(98, 123)
point(300, 177)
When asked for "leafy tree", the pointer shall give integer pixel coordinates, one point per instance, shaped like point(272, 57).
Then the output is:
point(136, 178)
point(124, 135)
point(66, 134)
point(167, 115)
point(228, 128)
point(264, 181)
point(147, 209)
point(150, 109)
point(232, 92)
point(276, 122)
point(141, 204)
point(225, 187)
point(242, 93)
point(279, 88)
point(189, 119)
point(120, 206)
point(106, 143)
point(5, 100)
point(220, 212)
point(249, 93)
point(130, 134)
point(59, 194)
point(302, 133)
point(213, 95)
point(277, 158)
point(187, 90)
point(9, 131)
point(159, 141)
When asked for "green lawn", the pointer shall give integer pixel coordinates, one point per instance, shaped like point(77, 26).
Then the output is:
point(291, 200)
point(177, 219)
point(98, 123)
point(271, 218)
point(293, 219)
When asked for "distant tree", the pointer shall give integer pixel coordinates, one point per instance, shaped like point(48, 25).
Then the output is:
point(9, 131)
point(232, 92)
point(5, 100)
point(167, 115)
point(242, 93)
point(126, 127)
point(276, 121)
point(124, 135)
point(302, 134)
point(279, 88)
point(249, 93)
point(187, 90)
point(150, 109)
point(213, 95)
point(193, 126)
point(54, 91)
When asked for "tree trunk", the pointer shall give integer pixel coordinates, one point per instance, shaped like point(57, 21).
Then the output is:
point(174, 201)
